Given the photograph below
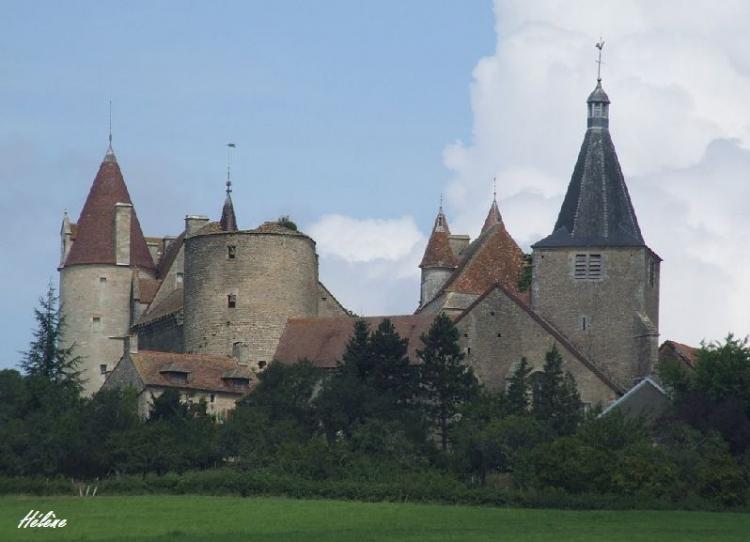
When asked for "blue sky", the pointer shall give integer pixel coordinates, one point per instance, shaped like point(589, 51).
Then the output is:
point(336, 107)
point(353, 117)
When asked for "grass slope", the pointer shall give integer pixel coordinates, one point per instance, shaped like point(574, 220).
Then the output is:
point(221, 519)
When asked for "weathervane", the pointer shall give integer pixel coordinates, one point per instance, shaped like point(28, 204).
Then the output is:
point(599, 45)
point(230, 146)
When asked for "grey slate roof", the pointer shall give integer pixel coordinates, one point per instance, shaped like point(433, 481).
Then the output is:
point(597, 210)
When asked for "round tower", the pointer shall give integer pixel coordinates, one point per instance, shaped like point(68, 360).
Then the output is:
point(242, 286)
point(438, 262)
point(101, 255)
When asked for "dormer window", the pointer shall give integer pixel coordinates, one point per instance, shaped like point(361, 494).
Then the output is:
point(588, 267)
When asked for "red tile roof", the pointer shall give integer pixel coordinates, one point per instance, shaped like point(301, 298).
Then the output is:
point(95, 239)
point(210, 373)
point(687, 354)
point(323, 340)
point(147, 289)
point(493, 257)
point(168, 306)
point(170, 253)
point(439, 252)
point(493, 217)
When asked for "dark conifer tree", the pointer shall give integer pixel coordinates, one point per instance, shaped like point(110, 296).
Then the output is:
point(47, 357)
point(519, 389)
point(446, 382)
point(556, 401)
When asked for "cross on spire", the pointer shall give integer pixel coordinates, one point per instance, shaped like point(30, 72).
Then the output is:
point(599, 45)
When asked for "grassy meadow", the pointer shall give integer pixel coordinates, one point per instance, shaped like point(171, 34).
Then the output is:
point(220, 519)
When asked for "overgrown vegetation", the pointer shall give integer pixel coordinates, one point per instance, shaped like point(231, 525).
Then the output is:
point(380, 427)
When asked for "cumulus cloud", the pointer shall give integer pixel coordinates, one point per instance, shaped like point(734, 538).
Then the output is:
point(371, 264)
point(678, 80)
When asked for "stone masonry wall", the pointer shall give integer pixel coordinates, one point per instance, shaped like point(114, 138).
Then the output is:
point(613, 334)
point(163, 335)
point(496, 333)
point(273, 276)
point(85, 297)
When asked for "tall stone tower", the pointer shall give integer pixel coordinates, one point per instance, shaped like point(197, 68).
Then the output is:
point(439, 260)
point(241, 286)
point(100, 257)
point(594, 278)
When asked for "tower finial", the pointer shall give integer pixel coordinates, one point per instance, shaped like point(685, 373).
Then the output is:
point(230, 146)
point(599, 45)
point(441, 201)
point(110, 124)
point(494, 189)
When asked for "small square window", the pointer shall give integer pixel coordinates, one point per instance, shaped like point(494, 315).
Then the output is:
point(179, 278)
point(96, 323)
point(102, 281)
point(231, 252)
point(231, 301)
point(261, 364)
point(211, 398)
point(103, 368)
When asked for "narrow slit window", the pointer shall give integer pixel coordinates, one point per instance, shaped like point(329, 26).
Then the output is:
point(103, 368)
point(179, 278)
point(651, 273)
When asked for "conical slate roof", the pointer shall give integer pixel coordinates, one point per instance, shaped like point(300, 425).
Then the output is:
point(439, 253)
point(597, 210)
point(228, 221)
point(95, 240)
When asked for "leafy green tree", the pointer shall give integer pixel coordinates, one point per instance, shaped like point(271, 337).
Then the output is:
point(390, 373)
point(446, 382)
point(519, 387)
point(716, 395)
point(47, 357)
point(556, 401)
point(287, 391)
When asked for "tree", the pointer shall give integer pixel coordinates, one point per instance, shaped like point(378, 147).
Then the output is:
point(47, 357)
point(556, 401)
point(518, 389)
point(445, 381)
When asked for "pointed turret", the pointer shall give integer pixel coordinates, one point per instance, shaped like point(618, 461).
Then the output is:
point(438, 253)
point(228, 221)
point(493, 217)
point(597, 210)
point(439, 260)
point(96, 238)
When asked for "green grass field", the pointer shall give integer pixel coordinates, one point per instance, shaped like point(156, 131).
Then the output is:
point(220, 519)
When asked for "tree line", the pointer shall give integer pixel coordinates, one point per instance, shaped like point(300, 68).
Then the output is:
point(379, 417)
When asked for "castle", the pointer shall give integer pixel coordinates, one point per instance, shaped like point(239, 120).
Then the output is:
point(207, 310)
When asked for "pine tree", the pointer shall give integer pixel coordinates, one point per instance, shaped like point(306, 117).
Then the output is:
point(46, 357)
point(556, 401)
point(518, 389)
point(390, 375)
point(445, 381)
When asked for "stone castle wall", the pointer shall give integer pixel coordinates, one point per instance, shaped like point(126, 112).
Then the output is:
point(432, 280)
point(96, 302)
point(273, 277)
point(614, 336)
point(496, 333)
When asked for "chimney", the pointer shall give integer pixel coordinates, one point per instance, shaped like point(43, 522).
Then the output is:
point(458, 243)
point(193, 223)
point(66, 239)
point(123, 216)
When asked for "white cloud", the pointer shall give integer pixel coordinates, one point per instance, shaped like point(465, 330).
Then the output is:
point(364, 240)
point(370, 264)
point(678, 79)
